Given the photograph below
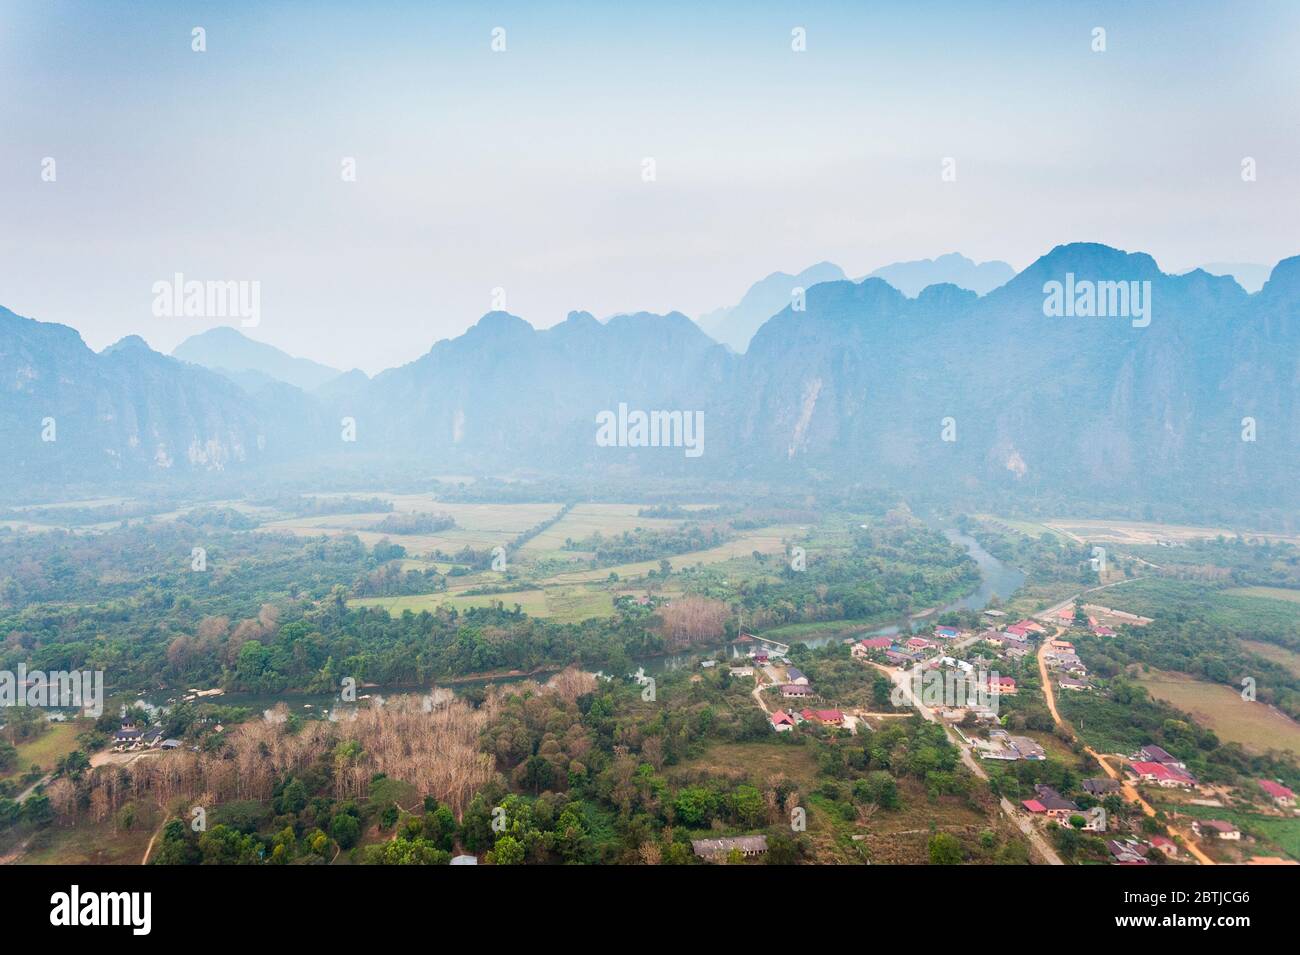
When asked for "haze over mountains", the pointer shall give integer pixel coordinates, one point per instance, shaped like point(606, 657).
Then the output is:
point(856, 387)
point(251, 363)
point(735, 326)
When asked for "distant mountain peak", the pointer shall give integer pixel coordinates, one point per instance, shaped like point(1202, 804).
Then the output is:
point(735, 325)
point(1284, 281)
point(499, 322)
point(131, 343)
point(248, 362)
point(952, 268)
point(1251, 276)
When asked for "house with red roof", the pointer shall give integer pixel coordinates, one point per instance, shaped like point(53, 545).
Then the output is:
point(918, 643)
point(1031, 625)
point(863, 647)
point(1101, 631)
point(1278, 793)
point(1157, 754)
point(1034, 806)
point(1167, 846)
point(782, 721)
point(824, 717)
point(1002, 684)
point(1218, 828)
point(1165, 776)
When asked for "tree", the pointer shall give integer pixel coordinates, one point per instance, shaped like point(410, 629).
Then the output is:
point(945, 849)
point(10, 812)
point(440, 827)
point(345, 829)
point(38, 810)
point(222, 845)
point(748, 806)
point(878, 787)
point(507, 851)
point(695, 806)
point(176, 847)
point(8, 756)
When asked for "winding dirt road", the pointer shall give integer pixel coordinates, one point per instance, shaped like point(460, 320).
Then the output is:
point(901, 680)
point(1129, 790)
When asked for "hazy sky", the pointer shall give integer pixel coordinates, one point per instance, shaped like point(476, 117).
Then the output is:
point(523, 169)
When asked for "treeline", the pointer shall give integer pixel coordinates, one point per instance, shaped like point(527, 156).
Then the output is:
point(414, 523)
point(1236, 560)
point(889, 571)
point(642, 544)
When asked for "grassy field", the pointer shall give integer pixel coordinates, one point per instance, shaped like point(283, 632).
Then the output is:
point(1272, 593)
point(1153, 596)
point(760, 763)
point(59, 740)
point(563, 595)
point(480, 526)
point(769, 540)
point(1256, 726)
point(94, 844)
point(1282, 832)
point(562, 604)
point(584, 520)
point(1271, 651)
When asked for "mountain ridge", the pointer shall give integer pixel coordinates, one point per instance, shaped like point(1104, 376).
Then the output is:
point(857, 382)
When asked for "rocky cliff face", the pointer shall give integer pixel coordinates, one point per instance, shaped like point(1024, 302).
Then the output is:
point(948, 389)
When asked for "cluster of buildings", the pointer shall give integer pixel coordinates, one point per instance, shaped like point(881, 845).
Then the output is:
point(1060, 657)
point(902, 651)
point(1012, 646)
point(1066, 616)
point(783, 721)
point(130, 737)
point(1002, 745)
point(1152, 764)
point(1050, 804)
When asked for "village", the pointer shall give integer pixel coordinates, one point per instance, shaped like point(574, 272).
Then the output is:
point(951, 676)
